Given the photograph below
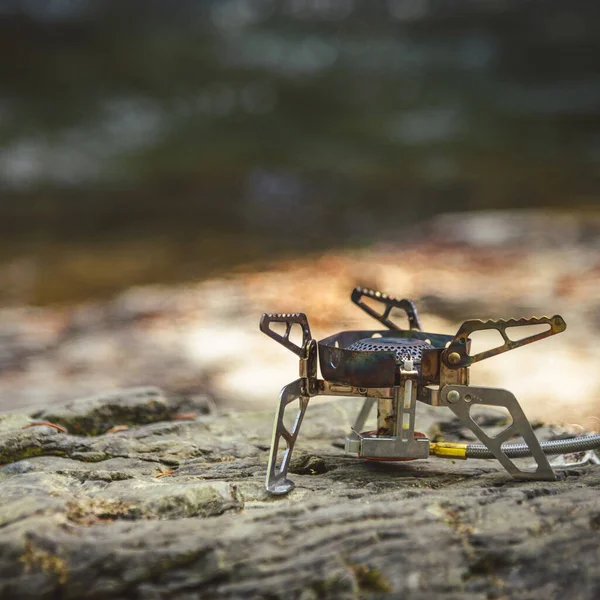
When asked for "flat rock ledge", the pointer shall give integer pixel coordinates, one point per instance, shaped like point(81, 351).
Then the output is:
point(135, 494)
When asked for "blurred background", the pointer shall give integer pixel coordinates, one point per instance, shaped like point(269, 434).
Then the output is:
point(168, 171)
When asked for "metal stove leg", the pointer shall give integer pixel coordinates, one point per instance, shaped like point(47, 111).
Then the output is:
point(277, 481)
point(363, 415)
point(460, 398)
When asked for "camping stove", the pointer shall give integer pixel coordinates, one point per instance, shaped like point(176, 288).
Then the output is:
point(395, 368)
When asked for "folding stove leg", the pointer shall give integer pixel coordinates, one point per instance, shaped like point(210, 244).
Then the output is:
point(277, 481)
point(460, 398)
point(363, 415)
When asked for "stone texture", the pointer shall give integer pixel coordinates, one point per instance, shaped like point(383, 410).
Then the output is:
point(132, 406)
point(177, 509)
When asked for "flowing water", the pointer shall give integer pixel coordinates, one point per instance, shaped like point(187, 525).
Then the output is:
point(142, 141)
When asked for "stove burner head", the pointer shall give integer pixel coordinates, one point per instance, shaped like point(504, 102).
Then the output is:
point(403, 348)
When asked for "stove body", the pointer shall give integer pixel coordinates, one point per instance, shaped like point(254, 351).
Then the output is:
point(394, 369)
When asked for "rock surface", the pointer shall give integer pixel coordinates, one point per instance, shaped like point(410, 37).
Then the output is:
point(174, 507)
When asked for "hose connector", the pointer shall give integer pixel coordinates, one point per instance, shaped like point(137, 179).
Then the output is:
point(448, 450)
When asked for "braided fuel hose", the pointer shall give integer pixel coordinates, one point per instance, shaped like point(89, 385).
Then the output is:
point(464, 451)
point(566, 446)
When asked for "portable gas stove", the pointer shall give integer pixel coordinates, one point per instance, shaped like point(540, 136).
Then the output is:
point(395, 368)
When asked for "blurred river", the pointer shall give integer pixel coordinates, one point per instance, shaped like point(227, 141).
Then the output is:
point(156, 142)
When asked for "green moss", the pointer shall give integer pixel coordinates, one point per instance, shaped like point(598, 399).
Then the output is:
point(37, 559)
point(307, 464)
point(14, 454)
point(333, 586)
point(88, 511)
point(370, 579)
point(102, 419)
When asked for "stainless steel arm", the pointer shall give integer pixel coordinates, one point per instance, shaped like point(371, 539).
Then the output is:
point(457, 354)
point(290, 320)
point(277, 479)
point(460, 399)
point(388, 302)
